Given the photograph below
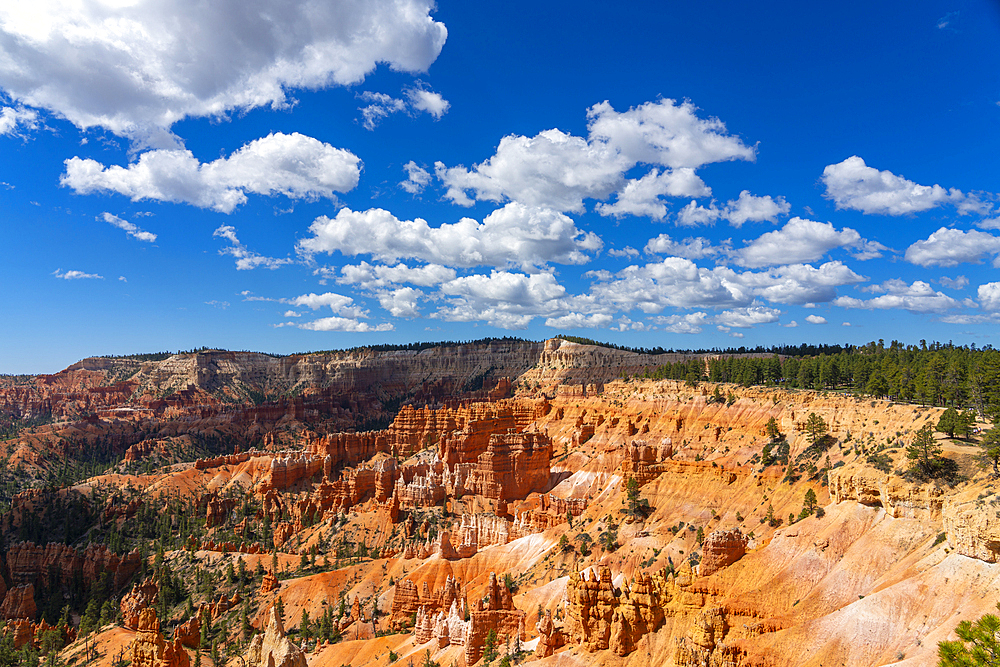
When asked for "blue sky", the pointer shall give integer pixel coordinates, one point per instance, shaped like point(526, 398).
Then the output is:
point(293, 176)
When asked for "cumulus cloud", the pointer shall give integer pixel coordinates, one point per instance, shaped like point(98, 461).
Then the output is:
point(957, 283)
point(690, 323)
point(129, 228)
point(504, 299)
point(245, 259)
point(951, 247)
point(737, 212)
point(679, 283)
point(800, 240)
point(627, 251)
point(401, 302)
point(15, 121)
point(372, 276)
point(579, 321)
point(293, 165)
point(745, 318)
point(989, 297)
point(558, 170)
point(641, 197)
point(815, 319)
point(428, 102)
point(513, 235)
point(136, 68)
point(344, 324)
point(380, 106)
point(852, 184)
point(690, 248)
point(75, 275)
point(338, 303)
point(417, 178)
point(918, 297)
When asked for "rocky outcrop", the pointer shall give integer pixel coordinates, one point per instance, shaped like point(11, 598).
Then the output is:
point(188, 633)
point(268, 584)
point(217, 510)
point(899, 498)
point(973, 529)
point(602, 616)
point(140, 597)
point(407, 599)
point(494, 612)
point(19, 603)
point(31, 563)
point(150, 650)
point(273, 648)
point(550, 637)
point(513, 465)
point(644, 461)
point(722, 548)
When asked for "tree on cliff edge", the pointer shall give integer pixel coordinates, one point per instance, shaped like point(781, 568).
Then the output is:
point(815, 427)
point(991, 447)
point(977, 644)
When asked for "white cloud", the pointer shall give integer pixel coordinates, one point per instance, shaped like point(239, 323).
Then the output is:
point(338, 303)
point(579, 321)
point(509, 300)
point(641, 197)
point(75, 275)
point(852, 184)
point(957, 283)
point(428, 102)
point(380, 106)
point(293, 165)
point(401, 302)
point(799, 240)
point(627, 251)
point(950, 247)
point(344, 324)
point(918, 297)
point(691, 323)
point(749, 208)
point(137, 67)
point(129, 228)
point(801, 284)
point(845, 324)
point(989, 297)
point(737, 212)
point(557, 170)
point(291, 313)
point(417, 178)
point(815, 319)
point(15, 120)
point(245, 259)
point(745, 318)
point(791, 325)
point(372, 276)
point(513, 235)
point(689, 248)
point(680, 283)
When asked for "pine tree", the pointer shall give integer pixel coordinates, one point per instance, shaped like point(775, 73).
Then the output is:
point(815, 427)
point(924, 451)
point(978, 644)
point(991, 447)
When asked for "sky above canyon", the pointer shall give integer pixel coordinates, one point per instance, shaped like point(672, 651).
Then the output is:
point(289, 176)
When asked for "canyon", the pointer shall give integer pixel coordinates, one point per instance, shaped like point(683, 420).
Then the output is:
point(464, 502)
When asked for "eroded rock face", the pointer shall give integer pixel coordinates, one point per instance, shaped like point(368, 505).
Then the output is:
point(269, 583)
point(495, 612)
point(601, 616)
point(273, 648)
point(722, 548)
point(19, 603)
point(550, 637)
point(899, 498)
point(150, 650)
point(407, 599)
point(141, 596)
point(973, 529)
point(31, 563)
point(643, 461)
